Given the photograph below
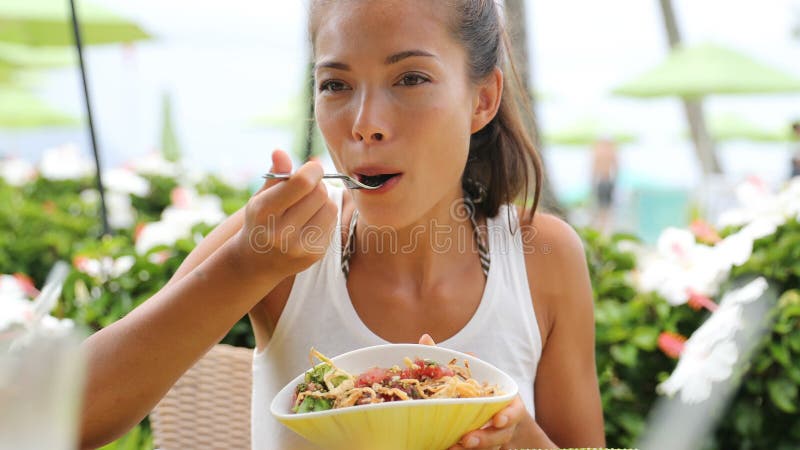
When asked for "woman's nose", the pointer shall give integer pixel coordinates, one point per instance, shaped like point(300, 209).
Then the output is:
point(370, 125)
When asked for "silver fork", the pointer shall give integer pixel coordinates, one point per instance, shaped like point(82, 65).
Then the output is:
point(349, 182)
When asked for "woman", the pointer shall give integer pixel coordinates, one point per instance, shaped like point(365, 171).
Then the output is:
point(409, 93)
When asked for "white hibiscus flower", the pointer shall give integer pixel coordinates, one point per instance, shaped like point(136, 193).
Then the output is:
point(709, 355)
point(698, 368)
point(681, 267)
point(16, 171)
point(125, 181)
point(154, 164)
point(104, 268)
point(757, 201)
point(65, 162)
point(187, 210)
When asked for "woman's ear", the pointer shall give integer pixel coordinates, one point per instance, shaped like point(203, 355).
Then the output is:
point(487, 100)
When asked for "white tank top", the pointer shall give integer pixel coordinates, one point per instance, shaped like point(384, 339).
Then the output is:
point(318, 313)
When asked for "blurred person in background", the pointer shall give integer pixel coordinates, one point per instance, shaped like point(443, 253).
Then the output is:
point(605, 167)
point(795, 162)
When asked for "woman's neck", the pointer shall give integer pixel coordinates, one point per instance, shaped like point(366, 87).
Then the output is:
point(423, 252)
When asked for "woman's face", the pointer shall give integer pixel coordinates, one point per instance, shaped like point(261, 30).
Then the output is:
point(394, 97)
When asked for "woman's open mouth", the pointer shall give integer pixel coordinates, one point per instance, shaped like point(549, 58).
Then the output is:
point(383, 178)
point(376, 180)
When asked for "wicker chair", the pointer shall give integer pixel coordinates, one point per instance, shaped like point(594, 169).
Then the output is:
point(209, 406)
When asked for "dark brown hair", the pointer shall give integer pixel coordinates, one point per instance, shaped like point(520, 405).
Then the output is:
point(502, 156)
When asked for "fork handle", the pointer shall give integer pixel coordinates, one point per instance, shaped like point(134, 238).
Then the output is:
point(277, 176)
point(285, 176)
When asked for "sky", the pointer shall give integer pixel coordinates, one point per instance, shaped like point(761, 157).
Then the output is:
point(224, 64)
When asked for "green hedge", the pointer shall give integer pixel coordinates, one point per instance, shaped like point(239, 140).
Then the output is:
point(764, 410)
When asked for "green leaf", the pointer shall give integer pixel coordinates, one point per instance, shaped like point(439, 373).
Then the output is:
point(790, 314)
point(621, 391)
point(312, 404)
point(783, 394)
point(317, 374)
point(632, 423)
point(646, 338)
point(762, 364)
point(780, 353)
point(748, 419)
point(307, 405)
point(624, 354)
point(794, 374)
point(794, 341)
point(336, 381)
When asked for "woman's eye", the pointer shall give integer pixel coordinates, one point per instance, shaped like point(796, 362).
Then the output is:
point(413, 79)
point(332, 85)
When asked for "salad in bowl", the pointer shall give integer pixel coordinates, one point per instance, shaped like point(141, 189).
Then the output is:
point(394, 396)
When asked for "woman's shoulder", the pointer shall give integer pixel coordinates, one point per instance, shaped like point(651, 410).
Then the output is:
point(555, 263)
point(549, 237)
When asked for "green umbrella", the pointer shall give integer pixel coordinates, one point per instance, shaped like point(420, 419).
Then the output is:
point(7, 76)
point(16, 59)
point(24, 57)
point(48, 23)
point(587, 131)
point(696, 71)
point(731, 127)
point(21, 110)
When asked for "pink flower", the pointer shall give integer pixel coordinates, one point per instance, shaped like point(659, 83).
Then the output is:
point(704, 232)
point(671, 343)
point(26, 283)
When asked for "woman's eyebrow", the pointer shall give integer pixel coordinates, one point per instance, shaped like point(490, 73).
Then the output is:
point(393, 59)
point(397, 57)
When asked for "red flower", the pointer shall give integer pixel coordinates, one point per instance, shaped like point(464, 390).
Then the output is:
point(671, 343)
point(698, 301)
point(27, 285)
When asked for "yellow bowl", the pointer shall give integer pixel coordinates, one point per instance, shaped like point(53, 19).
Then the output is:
point(431, 424)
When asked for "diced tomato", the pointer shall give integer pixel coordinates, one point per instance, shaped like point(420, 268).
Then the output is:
point(436, 372)
point(423, 371)
point(371, 376)
point(426, 371)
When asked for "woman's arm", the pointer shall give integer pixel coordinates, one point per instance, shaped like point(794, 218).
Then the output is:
point(568, 406)
point(134, 362)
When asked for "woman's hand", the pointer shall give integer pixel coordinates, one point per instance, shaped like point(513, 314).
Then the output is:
point(499, 431)
point(287, 224)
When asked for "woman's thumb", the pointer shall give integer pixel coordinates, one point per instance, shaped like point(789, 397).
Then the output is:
point(426, 339)
point(281, 163)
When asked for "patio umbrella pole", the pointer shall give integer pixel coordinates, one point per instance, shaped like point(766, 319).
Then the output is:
point(704, 146)
point(99, 178)
point(518, 28)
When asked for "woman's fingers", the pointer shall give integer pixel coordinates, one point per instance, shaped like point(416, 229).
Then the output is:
point(285, 193)
point(426, 339)
point(316, 236)
point(511, 414)
point(281, 163)
point(487, 438)
point(501, 429)
point(302, 211)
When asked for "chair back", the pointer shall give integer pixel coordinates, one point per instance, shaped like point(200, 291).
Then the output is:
point(209, 406)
